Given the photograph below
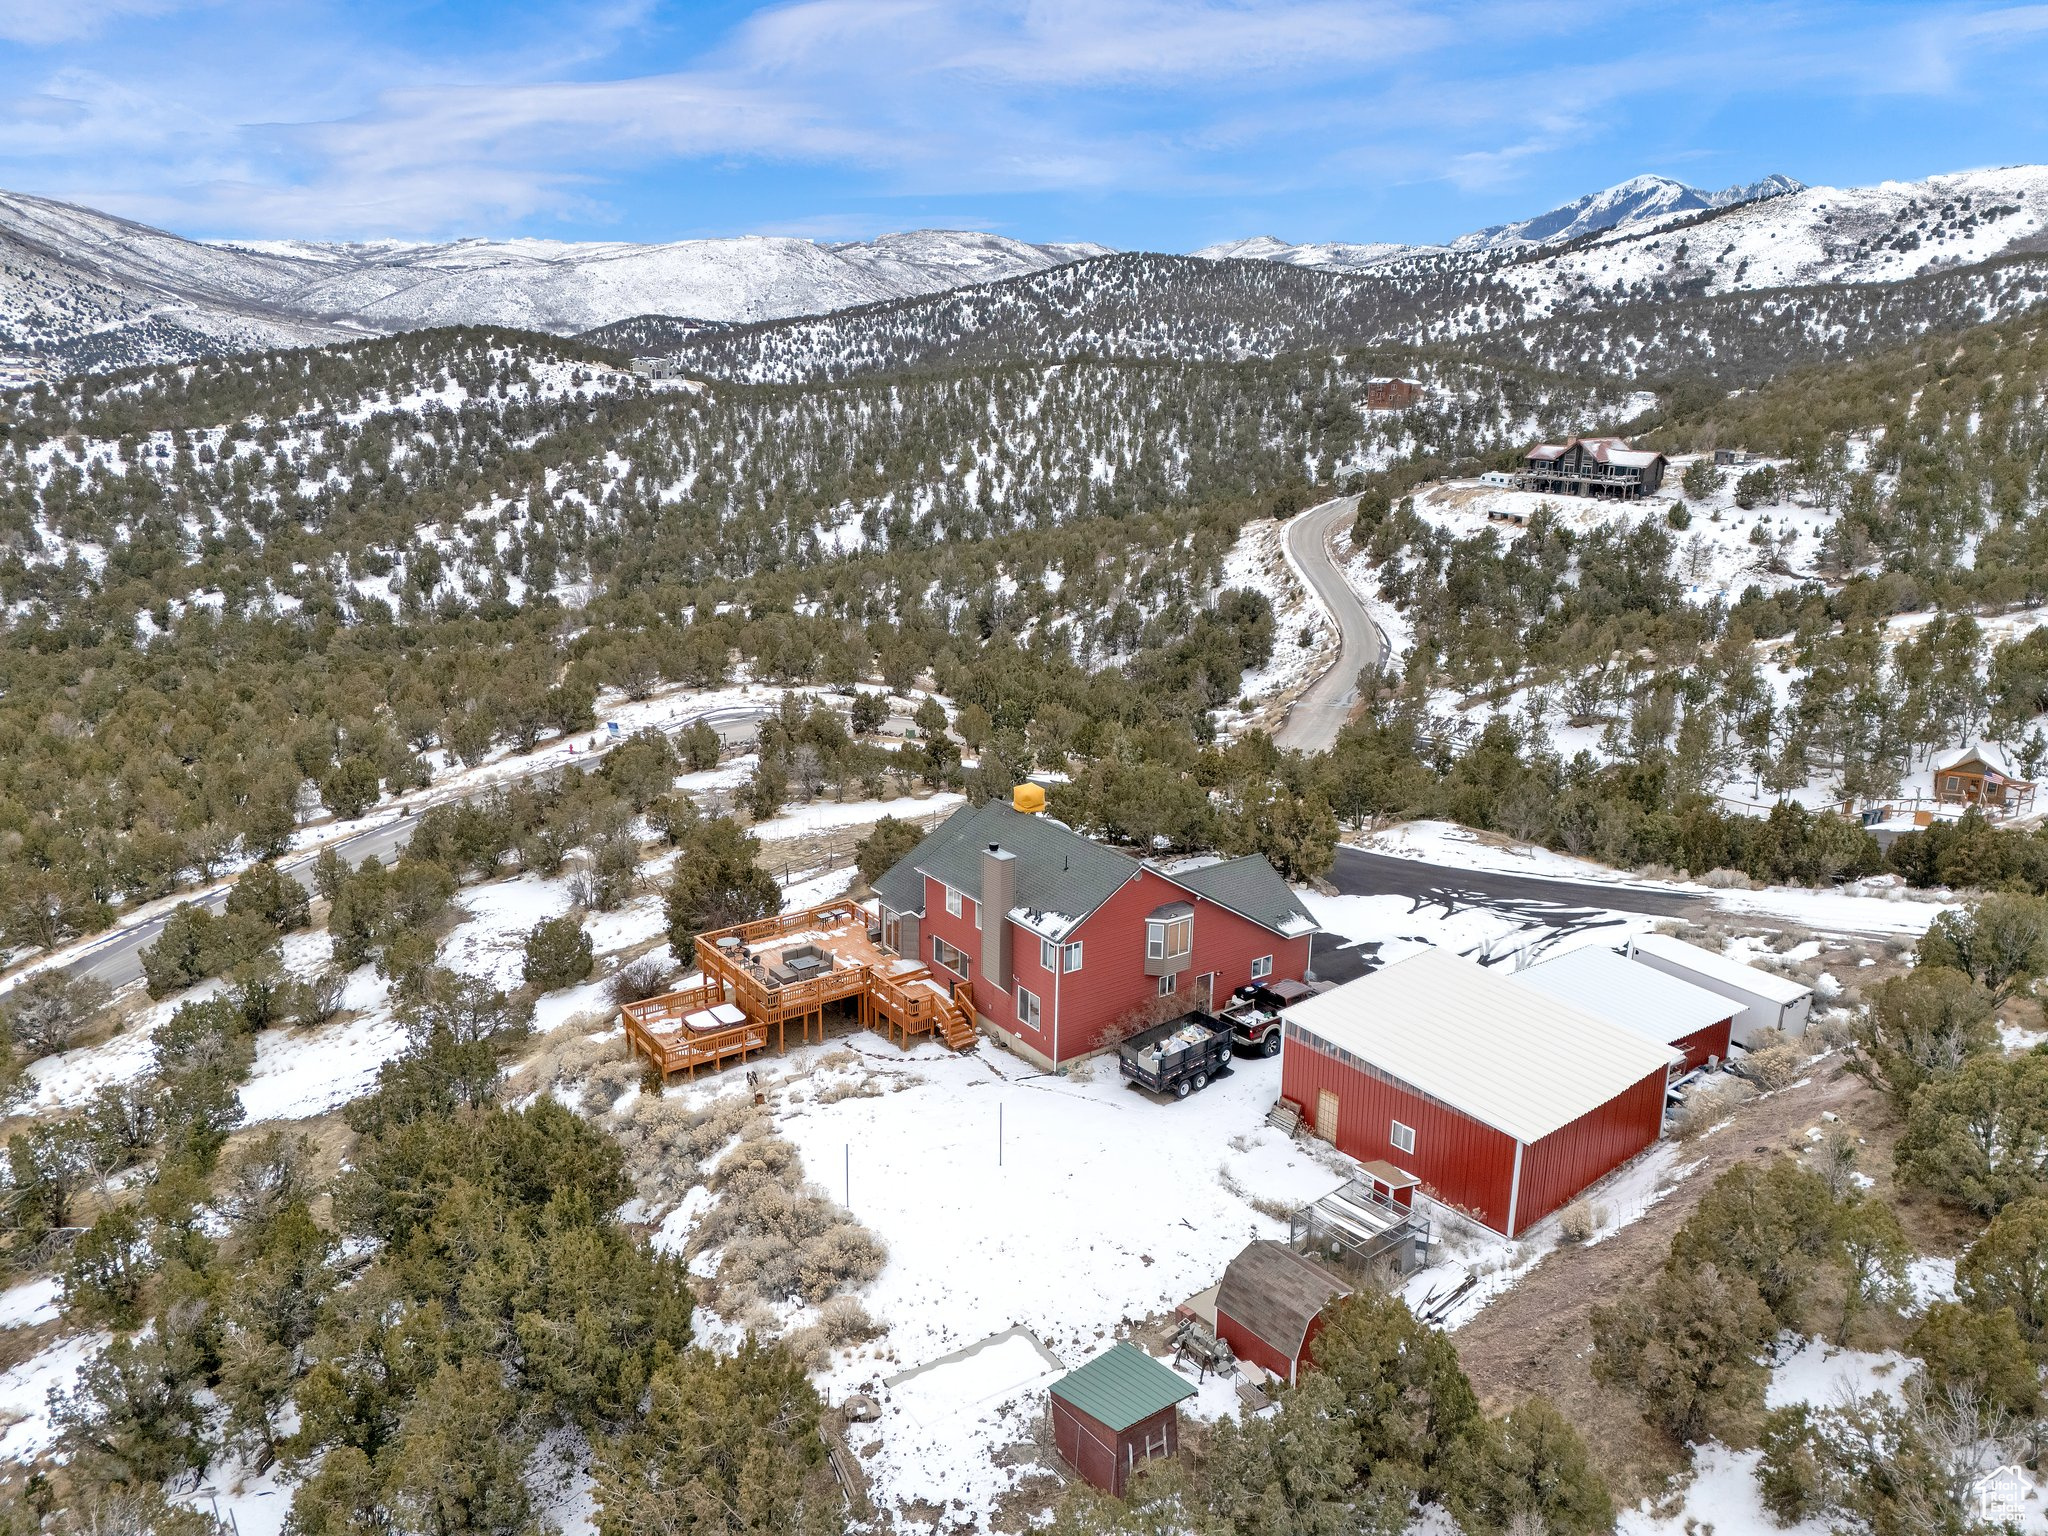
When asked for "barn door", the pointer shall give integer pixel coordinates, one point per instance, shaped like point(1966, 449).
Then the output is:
point(1326, 1115)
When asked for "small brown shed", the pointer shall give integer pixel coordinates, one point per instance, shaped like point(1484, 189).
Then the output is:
point(1121, 1408)
point(1270, 1305)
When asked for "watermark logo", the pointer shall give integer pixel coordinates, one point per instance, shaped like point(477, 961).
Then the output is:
point(2001, 1494)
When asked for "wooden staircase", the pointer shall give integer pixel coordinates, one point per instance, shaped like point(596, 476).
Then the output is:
point(956, 1019)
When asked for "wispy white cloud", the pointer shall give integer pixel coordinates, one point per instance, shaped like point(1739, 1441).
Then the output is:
point(257, 127)
point(40, 23)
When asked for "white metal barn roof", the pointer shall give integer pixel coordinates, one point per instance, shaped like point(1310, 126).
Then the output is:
point(1508, 1056)
point(1776, 989)
point(1653, 1003)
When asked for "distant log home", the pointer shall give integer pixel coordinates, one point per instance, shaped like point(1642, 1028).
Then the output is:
point(1593, 466)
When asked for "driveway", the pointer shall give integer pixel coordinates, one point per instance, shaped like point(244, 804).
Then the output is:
point(1320, 713)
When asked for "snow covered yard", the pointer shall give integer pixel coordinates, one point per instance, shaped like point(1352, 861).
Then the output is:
point(1071, 1207)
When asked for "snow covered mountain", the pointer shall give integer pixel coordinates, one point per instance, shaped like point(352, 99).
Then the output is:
point(82, 289)
point(1740, 291)
point(1329, 256)
point(1640, 200)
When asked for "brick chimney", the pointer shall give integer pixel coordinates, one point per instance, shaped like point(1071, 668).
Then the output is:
point(998, 895)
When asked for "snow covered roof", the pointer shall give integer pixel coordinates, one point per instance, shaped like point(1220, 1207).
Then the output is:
point(1603, 450)
point(1061, 875)
point(1507, 1056)
point(1654, 1004)
point(1252, 888)
point(1988, 753)
point(1776, 989)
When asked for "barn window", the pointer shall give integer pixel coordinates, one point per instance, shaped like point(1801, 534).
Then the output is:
point(1027, 1008)
point(1168, 938)
point(1169, 984)
point(1403, 1137)
point(952, 902)
point(1048, 955)
point(1262, 967)
point(952, 959)
point(1070, 957)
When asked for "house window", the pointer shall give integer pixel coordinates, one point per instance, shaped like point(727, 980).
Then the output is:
point(1168, 938)
point(1262, 967)
point(1403, 1137)
point(1169, 984)
point(1048, 955)
point(952, 902)
point(1954, 784)
point(946, 955)
point(1027, 1008)
point(1070, 957)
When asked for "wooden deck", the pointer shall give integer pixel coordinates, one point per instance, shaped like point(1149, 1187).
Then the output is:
point(775, 972)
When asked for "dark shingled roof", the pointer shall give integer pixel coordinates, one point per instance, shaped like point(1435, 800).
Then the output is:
point(1251, 887)
point(1122, 1386)
point(1058, 870)
point(1276, 1293)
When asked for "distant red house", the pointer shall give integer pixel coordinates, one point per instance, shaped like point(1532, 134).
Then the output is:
point(1061, 940)
point(1391, 394)
point(1502, 1102)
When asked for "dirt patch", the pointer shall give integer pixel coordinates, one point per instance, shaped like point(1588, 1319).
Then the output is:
point(1535, 1340)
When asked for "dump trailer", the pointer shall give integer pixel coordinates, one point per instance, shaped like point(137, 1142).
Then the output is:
point(1177, 1057)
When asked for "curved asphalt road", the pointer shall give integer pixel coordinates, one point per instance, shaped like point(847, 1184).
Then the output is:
point(116, 959)
point(1320, 713)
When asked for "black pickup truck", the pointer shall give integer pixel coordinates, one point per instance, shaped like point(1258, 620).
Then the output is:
point(1177, 1057)
point(1254, 1013)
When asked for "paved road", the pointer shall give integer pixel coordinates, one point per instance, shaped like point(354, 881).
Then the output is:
point(1358, 873)
point(1320, 713)
point(117, 958)
point(1527, 902)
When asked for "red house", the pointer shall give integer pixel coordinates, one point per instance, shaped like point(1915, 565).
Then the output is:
point(1660, 1007)
point(1503, 1102)
point(1270, 1305)
point(1063, 942)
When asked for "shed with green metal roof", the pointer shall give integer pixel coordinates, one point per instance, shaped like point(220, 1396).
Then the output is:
point(1116, 1412)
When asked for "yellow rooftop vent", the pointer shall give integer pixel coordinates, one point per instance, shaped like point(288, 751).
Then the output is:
point(1028, 799)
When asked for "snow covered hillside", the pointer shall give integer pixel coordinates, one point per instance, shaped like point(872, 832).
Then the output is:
point(82, 289)
point(1637, 201)
point(1742, 292)
point(1329, 256)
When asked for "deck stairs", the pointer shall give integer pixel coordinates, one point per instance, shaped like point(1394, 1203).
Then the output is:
point(956, 1020)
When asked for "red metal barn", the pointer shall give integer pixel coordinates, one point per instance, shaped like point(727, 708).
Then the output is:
point(1503, 1102)
point(1270, 1305)
point(1664, 1008)
point(1116, 1412)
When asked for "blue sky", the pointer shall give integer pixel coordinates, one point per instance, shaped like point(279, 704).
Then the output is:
point(1138, 123)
